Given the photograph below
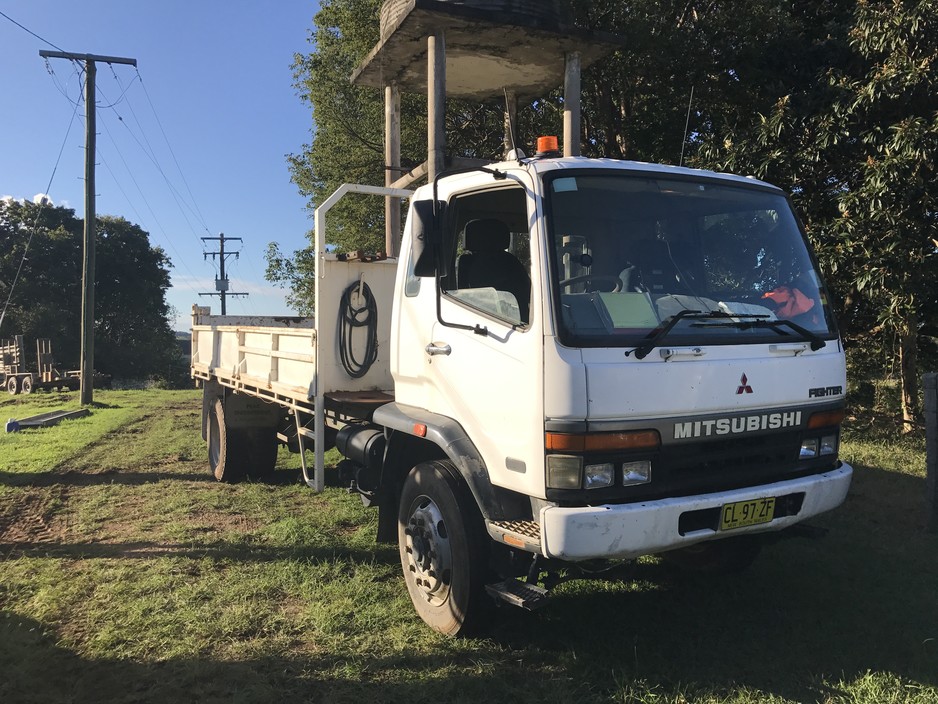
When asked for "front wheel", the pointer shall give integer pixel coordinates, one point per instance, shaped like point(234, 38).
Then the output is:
point(13, 385)
point(443, 544)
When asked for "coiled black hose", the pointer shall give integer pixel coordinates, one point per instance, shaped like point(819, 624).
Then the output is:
point(352, 317)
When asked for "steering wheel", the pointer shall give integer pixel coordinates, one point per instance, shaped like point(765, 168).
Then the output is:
point(608, 278)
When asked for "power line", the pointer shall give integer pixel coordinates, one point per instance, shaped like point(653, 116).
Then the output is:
point(26, 29)
point(63, 90)
point(147, 147)
point(120, 98)
point(146, 202)
point(42, 205)
point(171, 151)
point(151, 155)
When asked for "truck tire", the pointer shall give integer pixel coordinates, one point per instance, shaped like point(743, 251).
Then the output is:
point(262, 450)
point(13, 386)
point(26, 385)
point(227, 455)
point(442, 544)
point(727, 556)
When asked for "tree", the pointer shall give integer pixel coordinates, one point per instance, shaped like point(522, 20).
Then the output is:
point(348, 141)
point(634, 103)
point(132, 333)
point(832, 100)
point(885, 119)
point(852, 134)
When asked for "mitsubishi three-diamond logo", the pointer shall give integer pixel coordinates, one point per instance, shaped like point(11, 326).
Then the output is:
point(744, 387)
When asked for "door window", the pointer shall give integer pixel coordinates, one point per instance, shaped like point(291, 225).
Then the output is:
point(489, 248)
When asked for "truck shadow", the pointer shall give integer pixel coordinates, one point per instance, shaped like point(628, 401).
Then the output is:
point(40, 670)
point(125, 477)
point(117, 477)
point(218, 550)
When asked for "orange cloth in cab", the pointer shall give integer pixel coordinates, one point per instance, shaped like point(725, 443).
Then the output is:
point(790, 301)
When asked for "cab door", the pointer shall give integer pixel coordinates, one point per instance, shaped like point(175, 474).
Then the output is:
point(484, 357)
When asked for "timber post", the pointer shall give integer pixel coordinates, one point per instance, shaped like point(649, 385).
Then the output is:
point(930, 382)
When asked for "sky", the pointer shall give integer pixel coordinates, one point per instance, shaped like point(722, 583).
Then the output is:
point(190, 144)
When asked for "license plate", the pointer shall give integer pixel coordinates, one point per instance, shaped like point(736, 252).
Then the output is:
point(747, 513)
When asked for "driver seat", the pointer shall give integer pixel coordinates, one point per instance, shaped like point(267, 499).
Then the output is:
point(488, 264)
point(658, 273)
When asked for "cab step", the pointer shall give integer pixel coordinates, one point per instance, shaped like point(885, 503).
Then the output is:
point(528, 596)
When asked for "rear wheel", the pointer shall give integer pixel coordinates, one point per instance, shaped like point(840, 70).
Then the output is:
point(262, 452)
point(13, 386)
point(26, 385)
point(442, 544)
point(227, 454)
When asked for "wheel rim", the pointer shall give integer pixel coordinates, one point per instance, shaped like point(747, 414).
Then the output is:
point(428, 552)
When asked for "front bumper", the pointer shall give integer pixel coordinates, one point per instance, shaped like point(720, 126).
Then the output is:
point(624, 531)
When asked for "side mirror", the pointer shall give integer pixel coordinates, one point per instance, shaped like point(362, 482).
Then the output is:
point(426, 243)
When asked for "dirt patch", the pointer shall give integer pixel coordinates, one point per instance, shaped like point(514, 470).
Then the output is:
point(221, 522)
point(32, 516)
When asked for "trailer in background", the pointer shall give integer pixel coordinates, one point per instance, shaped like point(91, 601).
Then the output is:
point(18, 379)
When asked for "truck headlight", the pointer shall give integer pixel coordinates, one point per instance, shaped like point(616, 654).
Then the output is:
point(596, 476)
point(808, 448)
point(563, 471)
point(829, 445)
point(636, 472)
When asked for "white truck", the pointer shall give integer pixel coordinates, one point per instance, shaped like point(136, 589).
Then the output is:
point(573, 361)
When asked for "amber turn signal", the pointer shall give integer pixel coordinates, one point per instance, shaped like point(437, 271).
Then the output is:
point(603, 442)
point(826, 419)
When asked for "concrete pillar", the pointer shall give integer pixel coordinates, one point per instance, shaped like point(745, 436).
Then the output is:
point(511, 121)
point(571, 105)
point(930, 382)
point(392, 162)
point(436, 103)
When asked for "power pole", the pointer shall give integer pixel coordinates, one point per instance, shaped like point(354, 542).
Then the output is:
point(221, 282)
point(87, 269)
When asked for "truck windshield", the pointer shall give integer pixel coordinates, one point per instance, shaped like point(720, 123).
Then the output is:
point(631, 252)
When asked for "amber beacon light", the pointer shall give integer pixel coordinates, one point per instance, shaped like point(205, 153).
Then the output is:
point(547, 145)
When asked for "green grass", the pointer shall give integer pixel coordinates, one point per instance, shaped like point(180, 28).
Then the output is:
point(129, 575)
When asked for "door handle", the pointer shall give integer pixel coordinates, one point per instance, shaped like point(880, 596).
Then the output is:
point(435, 348)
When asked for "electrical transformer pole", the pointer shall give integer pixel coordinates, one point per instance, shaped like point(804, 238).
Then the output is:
point(87, 270)
point(221, 283)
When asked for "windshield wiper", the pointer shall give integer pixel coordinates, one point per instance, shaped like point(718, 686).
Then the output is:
point(762, 322)
point(660, 332)
point(654, 338)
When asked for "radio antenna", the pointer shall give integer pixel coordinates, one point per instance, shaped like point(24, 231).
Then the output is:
point(686, 125)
